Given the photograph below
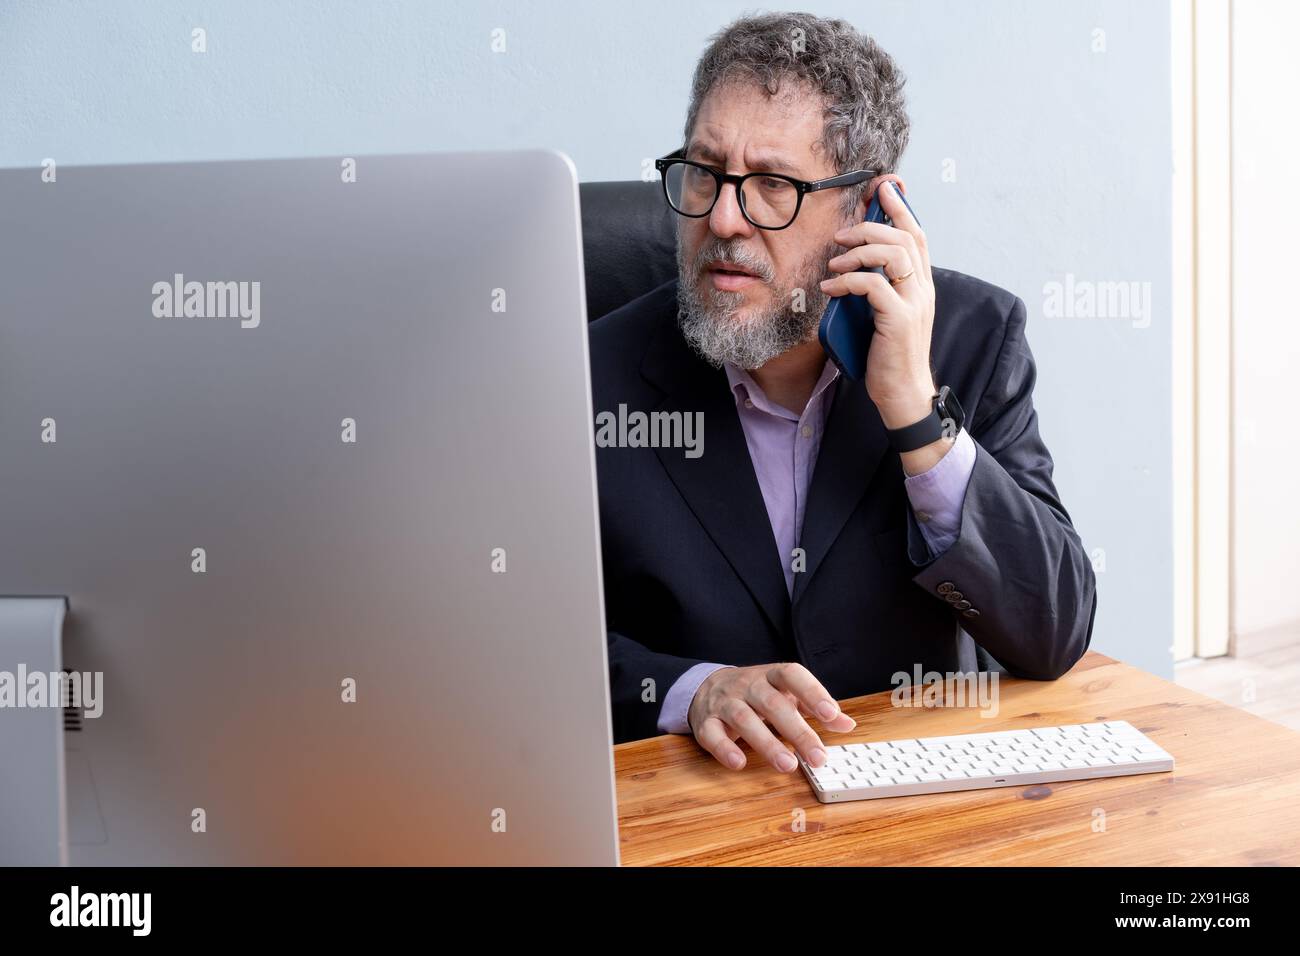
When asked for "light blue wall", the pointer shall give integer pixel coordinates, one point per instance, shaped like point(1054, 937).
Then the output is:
point(1062, 159)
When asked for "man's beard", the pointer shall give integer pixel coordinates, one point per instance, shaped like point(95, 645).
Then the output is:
point(709, 321)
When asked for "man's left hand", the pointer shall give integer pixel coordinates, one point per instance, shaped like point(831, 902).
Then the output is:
point(898, 362)
point(899, 379)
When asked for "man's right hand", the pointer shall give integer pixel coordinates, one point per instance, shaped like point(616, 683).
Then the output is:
point(735, 702)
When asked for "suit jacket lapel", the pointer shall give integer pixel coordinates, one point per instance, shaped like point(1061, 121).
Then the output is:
point(851, 450)
point(720, 486)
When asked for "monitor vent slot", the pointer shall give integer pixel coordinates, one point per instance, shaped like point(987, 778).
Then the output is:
point(71, 715)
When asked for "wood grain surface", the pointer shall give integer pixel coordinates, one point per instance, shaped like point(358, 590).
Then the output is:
point(1233, 797)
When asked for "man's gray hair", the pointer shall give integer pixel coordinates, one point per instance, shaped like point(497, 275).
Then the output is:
point(865, 125)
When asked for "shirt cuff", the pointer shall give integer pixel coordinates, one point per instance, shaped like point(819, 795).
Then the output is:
point(677, 704)
point(937, 495)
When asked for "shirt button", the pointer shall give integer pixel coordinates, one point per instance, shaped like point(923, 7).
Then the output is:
point(945, 587)
point(749, 403)
point(806, 431)
point(923, 516)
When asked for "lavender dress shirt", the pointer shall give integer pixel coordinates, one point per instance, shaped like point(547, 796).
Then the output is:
point(783, 447)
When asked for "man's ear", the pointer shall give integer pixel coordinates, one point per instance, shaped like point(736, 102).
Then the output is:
point(860, 210)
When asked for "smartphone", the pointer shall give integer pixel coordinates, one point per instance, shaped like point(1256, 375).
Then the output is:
point(849, 321)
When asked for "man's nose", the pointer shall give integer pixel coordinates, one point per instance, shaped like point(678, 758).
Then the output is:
point(726, 219)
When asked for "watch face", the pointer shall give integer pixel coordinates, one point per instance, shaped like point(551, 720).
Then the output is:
point(949, 409)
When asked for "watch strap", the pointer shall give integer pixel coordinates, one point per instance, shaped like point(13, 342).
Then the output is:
point(918, 434)
point(944, 408)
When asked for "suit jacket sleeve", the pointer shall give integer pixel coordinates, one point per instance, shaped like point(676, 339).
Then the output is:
point(636, 704)
point(1017, 558)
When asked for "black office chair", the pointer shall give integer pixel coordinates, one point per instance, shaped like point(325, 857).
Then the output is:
point(628, 242)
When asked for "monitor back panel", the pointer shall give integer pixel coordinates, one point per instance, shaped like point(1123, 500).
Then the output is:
point(330, 539)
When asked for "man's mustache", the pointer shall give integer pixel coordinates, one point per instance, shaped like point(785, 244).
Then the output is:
point(758, 267)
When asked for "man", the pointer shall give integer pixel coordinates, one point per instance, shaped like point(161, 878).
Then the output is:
point(833, 533)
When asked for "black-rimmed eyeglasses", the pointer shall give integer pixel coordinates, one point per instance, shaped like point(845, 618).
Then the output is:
point(767, 200)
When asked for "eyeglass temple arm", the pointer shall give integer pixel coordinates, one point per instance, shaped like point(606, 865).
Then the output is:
point(846, 179)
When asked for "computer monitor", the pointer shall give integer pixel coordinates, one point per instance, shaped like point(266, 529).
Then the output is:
point(307, 446)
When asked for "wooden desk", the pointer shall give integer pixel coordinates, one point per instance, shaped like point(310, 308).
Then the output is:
point(1233, 797)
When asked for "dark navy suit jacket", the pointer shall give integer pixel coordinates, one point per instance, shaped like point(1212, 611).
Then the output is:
point(691, 570)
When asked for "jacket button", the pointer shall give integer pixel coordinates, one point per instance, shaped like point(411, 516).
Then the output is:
point(970, 613)
point(962, 605)
point(952, 597)
point(945, 587)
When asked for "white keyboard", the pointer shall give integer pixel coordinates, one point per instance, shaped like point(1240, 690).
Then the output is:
point(1010, 758)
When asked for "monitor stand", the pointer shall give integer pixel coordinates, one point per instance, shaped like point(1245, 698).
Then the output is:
point(33, 799)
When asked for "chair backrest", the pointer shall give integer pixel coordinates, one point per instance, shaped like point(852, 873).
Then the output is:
point(628, 242)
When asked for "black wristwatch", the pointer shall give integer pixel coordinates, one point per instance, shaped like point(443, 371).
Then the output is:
point(945, 419)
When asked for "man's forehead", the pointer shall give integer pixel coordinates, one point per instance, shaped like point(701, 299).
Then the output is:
point(779, 133)
point(772, 159)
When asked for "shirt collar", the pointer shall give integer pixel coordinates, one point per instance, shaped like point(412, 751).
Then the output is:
point(744, 387)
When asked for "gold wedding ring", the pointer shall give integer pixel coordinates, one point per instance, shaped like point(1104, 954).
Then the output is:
point(903, 278)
